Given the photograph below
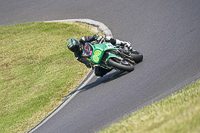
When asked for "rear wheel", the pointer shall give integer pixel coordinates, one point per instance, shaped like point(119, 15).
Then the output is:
point(120, 64)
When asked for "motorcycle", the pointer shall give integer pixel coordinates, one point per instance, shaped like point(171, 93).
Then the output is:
point(109, 56)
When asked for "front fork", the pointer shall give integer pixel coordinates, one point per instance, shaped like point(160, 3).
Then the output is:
point(125, 54)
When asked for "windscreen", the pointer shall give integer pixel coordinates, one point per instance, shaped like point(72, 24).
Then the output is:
point(87, 50)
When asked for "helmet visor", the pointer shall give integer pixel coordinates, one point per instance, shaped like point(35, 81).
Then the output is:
point(73, 44)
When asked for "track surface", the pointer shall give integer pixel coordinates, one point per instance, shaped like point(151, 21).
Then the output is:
point(167, 32)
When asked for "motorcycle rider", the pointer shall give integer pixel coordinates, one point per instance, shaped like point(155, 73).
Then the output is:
point(76, 46)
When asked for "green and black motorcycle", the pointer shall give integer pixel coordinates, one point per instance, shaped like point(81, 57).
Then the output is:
point(109, 56)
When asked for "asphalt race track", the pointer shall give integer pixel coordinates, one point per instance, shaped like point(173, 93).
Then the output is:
point(167, 32)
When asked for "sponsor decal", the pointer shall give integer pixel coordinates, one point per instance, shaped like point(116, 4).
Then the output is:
point(96, 54)
point(90, 53)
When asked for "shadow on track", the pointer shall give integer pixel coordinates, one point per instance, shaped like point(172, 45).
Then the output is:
point(107, 78)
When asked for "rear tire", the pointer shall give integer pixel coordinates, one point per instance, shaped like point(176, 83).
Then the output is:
point(121, 65)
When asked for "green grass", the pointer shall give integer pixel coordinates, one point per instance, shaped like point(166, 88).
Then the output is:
point(179, 113)
point(36, 71)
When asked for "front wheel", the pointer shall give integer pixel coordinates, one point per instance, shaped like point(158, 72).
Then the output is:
point(137, 56)
point(120, 64)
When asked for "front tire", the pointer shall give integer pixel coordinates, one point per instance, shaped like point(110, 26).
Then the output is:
point(120, 64)
point(137, 57)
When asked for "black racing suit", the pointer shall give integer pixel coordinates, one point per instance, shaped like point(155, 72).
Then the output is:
point(99, 71)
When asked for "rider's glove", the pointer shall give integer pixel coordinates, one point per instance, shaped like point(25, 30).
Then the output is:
point(96, 36)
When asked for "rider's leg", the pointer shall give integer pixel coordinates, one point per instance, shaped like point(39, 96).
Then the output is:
point(99, 71)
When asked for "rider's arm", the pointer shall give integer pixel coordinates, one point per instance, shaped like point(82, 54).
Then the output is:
point(82, 60)
point(85, 39)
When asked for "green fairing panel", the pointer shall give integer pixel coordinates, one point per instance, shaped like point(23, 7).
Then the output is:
point(99, 50)
point(111, 55)
point(97, 53)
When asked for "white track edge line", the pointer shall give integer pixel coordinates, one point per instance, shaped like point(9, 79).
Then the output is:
point(62, 105)
point(102, 27)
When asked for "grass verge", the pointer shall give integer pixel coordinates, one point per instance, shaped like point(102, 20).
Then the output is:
point(179, 113)
point(36, 71)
